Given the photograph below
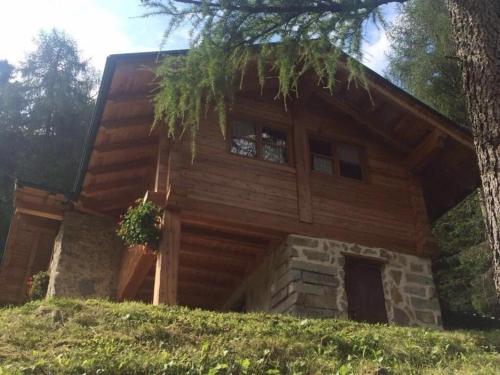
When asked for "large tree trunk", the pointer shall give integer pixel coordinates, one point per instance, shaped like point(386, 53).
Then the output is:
point(476, 25)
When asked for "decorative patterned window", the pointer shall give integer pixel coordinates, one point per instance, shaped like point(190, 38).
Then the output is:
point(349, 161)
point(260, 142)
point(321, 156)
point(274, 145)
point(330, 158)
point(244, 139)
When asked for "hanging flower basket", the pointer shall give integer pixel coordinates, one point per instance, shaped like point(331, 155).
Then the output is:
point(140, 226)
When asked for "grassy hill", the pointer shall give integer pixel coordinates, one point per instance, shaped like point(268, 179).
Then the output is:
point(98, 337)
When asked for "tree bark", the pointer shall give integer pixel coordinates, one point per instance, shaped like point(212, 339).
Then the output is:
point(476, 25)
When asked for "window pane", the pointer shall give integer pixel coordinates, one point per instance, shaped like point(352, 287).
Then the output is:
point(322, 164)
point(349, 162)
point(348, 153)
point(320, 147)
point(243, 141)
point(243, 129)
point(274, 145)
point(243, 147)
point(321, 156)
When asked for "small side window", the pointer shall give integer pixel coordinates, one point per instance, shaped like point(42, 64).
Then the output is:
point(244, 139)
point(321, 156)
point(349, 161)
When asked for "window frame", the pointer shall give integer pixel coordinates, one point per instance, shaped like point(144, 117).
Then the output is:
point(259, 125)
point(336, 159)
point(333, 158)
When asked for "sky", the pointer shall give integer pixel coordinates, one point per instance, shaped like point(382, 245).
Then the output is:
point(105, 27)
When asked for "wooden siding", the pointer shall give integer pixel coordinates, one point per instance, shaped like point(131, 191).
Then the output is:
point(378, 211)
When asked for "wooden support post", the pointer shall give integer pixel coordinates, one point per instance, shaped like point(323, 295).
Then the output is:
point(426, 244)
point(167, 261)
point(169, 168)
point(304, 200)
point(162, 165)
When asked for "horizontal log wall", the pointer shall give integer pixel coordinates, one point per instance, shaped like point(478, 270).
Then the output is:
point(378, 211)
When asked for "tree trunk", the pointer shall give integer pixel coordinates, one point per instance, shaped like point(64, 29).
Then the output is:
point(476, 25)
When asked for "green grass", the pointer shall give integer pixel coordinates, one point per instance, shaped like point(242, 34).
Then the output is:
point(97, 337)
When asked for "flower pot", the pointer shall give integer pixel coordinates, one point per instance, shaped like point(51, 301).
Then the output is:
point(145, 249)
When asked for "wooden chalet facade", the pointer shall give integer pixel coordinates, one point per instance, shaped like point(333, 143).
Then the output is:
point(322, 209)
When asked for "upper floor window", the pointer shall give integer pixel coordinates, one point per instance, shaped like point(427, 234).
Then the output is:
point(321, 156)
point(274, 145)
point(260, 142)
point(244, 139)
point(328, 157)
point(349, 161)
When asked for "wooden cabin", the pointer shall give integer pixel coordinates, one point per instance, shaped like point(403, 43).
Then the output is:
point(320, 209)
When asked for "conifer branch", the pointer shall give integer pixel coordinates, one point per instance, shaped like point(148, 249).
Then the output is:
point(230, 36)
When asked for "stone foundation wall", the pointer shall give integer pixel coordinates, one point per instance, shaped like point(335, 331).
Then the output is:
point(86, 258)
point(305, 276)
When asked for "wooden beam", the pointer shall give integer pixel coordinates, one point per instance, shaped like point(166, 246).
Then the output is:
point(39, 210)
point(236, 238)
point(300, 139)
point(426, 244)
point(207, 276)
point(212, 264)
point(178, 162)
point(425, 151)
point(162, 165)
point(118, 167)
point(111, 201)
point(273, 236)
point(117, 186)
point(230, 247)
point(417, 109)
point(126, 145)
point(136, 264)
point(167, 262)
point(368, 123)
point(40, 224)
point(128, 122)
point(215, 254)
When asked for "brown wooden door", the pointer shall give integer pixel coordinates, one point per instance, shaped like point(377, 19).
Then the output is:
point(365, 294)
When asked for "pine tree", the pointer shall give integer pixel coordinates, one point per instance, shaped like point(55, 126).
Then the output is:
point(423, 57)
point(45, 108)
point(58, 86)
point(12, 123)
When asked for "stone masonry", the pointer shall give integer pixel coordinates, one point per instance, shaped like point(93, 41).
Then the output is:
point(86, 258)
point(305, 276)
